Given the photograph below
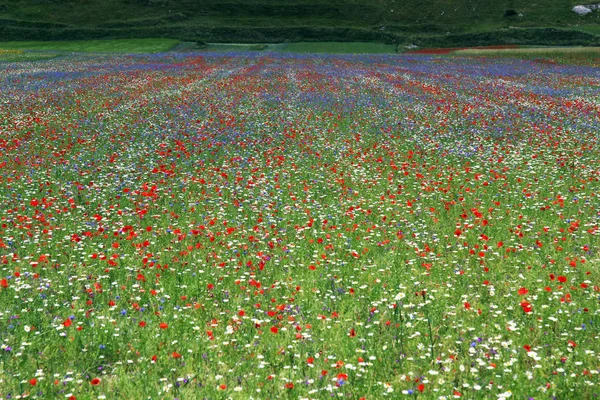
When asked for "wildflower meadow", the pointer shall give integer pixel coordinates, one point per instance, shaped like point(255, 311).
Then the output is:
point(264, 226)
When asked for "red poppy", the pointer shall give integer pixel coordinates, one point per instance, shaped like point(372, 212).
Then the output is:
point(95, 381)
point(526, 306)
point(163, 325)
point(523, 291)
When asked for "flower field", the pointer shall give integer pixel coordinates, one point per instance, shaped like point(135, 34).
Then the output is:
point(264, 226)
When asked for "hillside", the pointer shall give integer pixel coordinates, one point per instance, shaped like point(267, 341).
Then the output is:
point(422, 22)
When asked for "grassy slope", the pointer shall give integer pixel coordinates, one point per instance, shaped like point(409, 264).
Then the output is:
point(264, 20)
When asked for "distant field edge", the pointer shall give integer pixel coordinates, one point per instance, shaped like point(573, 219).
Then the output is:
point(307, 47)
point(571, 54)
point(290, 39)
point(148, 45)
point(255, 35)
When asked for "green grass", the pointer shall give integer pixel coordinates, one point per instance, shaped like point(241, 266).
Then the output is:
point(338, 47)
point(308, 47)
point(594, 29)
point(118, 45)
point(587, 55)
point(535, 51)
point(225, 47)
point(19, 55)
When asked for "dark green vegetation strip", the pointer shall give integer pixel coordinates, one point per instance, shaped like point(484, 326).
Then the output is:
point(421, 22)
